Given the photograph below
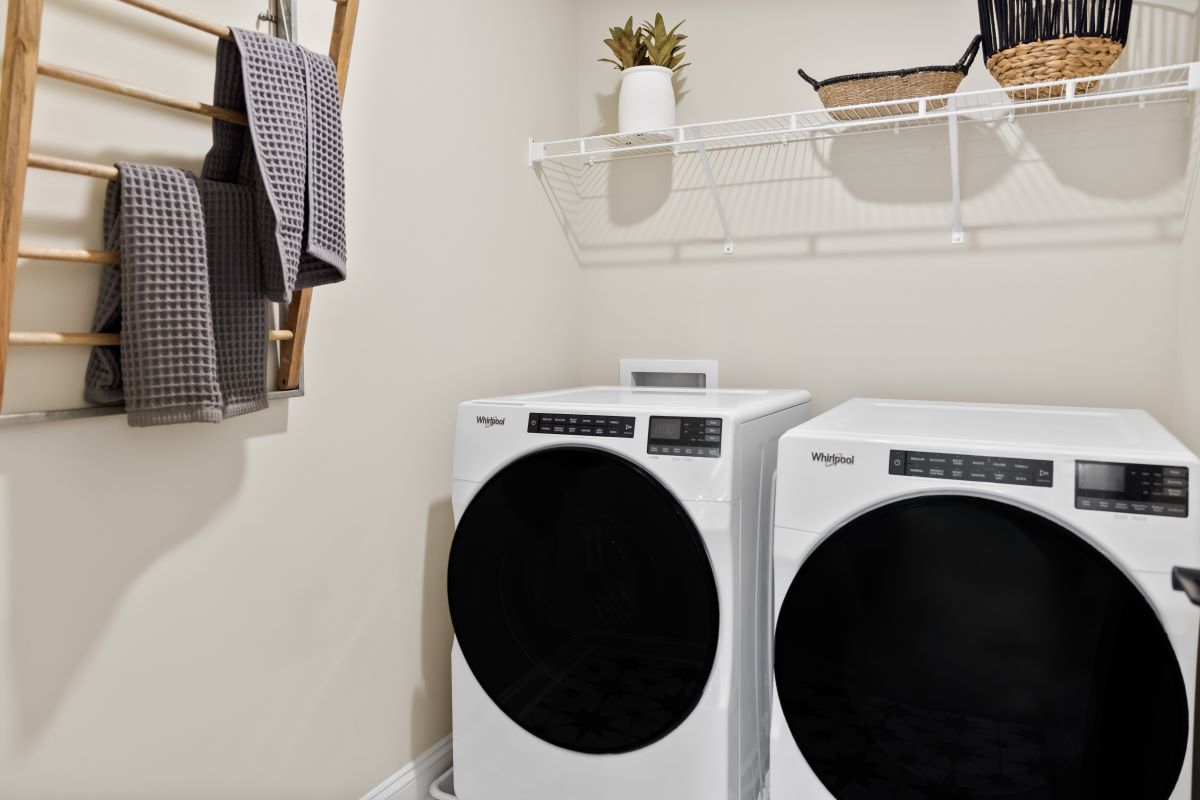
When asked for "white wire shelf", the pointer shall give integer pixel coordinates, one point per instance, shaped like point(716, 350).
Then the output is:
point(1121, 89)
point(1139, 87)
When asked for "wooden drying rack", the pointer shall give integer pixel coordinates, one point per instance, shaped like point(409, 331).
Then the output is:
point(21, 69)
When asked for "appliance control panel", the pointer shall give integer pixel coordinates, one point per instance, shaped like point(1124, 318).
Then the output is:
point(979, 469)
point(1148, 489)
point(689, 437)
point(583, 425)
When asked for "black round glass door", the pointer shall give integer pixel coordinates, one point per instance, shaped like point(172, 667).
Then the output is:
point(953, 647)
point(583, 600)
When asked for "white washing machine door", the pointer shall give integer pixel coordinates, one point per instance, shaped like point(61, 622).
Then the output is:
point(584, 601)
point(957, 647)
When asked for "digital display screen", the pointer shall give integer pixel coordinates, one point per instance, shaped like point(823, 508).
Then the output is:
point(1101, 477)
point(666, 428)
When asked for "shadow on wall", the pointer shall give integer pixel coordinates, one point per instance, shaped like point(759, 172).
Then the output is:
point(134, 497)
point(1113, 176)
point(1161, 33)
point(432, 696)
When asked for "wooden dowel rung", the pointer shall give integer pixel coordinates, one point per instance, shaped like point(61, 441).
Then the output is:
point(138, 93)
point(28, 338)
point(86, 168)
point(178, 16)
point(49, 339)
point(65, 254)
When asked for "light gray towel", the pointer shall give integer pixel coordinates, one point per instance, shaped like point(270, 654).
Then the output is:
point(291, 156)
point(193, 339)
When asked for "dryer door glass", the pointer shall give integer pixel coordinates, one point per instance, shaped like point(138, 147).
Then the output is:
point(583, 600)
point(960, 647)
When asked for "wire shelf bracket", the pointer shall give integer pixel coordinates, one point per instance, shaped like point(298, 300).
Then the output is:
point(958, 234)
point(1135, 88)
point(716, 195)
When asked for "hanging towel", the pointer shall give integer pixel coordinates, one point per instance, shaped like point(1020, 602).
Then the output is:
point(291, 156)
point(241, 317)
point(185, 300)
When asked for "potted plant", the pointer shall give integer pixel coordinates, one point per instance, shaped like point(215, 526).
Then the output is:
point(648, 57)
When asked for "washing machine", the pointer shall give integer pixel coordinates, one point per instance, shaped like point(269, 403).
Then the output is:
point(979, 601)
point(609, 588)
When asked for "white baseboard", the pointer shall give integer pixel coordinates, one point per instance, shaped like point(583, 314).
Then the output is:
point(412, 782)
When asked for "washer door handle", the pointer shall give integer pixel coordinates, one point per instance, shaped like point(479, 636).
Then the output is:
point(1187, 581)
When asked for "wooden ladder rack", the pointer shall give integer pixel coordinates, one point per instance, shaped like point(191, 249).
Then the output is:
point(18, 79)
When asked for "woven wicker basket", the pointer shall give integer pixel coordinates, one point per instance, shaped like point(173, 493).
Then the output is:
point(1053, 60)
point(889, 87)
point(1038, 41)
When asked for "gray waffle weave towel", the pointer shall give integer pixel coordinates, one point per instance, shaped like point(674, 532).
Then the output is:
point(291, 156)
point(193, 340)
point(241, 318)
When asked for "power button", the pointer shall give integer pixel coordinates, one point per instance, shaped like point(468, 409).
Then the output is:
point(896, 462)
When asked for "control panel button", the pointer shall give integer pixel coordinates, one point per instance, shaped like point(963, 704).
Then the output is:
point(979, 469)
point(581, 425)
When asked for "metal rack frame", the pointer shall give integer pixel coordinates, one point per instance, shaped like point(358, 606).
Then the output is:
point(1122, 89)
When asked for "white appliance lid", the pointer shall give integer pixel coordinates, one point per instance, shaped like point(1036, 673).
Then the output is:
point(650, 397)
point(1033, 426)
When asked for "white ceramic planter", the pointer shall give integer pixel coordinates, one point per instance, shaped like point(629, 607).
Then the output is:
point(647, 101)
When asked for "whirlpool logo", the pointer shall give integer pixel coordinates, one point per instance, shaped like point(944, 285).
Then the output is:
point(490, 422)
point(833, 460)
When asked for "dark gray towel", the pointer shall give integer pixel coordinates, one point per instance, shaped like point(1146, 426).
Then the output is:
point(241, 317)
point(193, 338)
point(291, 156)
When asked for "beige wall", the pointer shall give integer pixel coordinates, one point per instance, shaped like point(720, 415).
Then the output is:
point(845, 281)
point(257, 610)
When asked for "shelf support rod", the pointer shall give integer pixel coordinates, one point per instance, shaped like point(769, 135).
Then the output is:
point(712, 185)
point(957, 233)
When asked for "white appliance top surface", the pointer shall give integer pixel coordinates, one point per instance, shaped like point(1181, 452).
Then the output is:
point(745, 401)
point(1116, 430)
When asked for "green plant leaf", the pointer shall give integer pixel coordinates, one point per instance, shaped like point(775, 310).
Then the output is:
point(663, 47)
